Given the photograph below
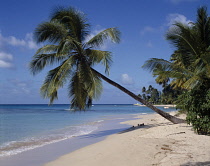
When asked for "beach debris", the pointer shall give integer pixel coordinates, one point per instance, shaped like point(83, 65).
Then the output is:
point(177, 133)
point(132, 128)
point(166, 147)
point(141, 124)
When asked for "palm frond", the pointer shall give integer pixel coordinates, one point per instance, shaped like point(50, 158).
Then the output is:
point(67, 45)
point(178, 83)
point(84, 87)
point(162, 77)
point(206, 60)
point(77, 92)
point(98, 40)
point(183, 59)
point(91, 81)
point(50, 31)
point(97, 87)
point(55, 79)
point(40, 61)
point(98, 56)
point(192, 82)
point(74, 20)
point(154, 63)
point(203, 26)
point(47, 49)
point(183, 38)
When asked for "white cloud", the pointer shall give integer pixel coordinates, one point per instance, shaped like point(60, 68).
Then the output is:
point(5, 60)
point(147, 29)
point(5, 56)
point(20, 86)
point(173, 18)
point(126, 79)
point(27, 42)
point(30, 42)
point(170, 20)
point(149, 44)
point(179, 1)
point(4, 64)
point(11, 40)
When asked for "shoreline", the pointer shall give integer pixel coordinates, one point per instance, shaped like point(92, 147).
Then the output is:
point(158, 142)
point(44, 154)
point(157, 105)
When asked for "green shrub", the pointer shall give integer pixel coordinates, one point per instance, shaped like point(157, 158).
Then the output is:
point(197, 105)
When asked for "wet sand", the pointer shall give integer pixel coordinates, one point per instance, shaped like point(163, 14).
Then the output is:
point(158, 142)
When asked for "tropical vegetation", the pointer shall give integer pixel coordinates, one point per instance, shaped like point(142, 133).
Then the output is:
point(189, 69)
point(168, 95)
point(68, 44)
point(151, 95)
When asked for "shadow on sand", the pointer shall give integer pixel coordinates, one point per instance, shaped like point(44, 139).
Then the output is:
point(207, 163)
point(139, 126)
point(133, 128)
point(102, 133)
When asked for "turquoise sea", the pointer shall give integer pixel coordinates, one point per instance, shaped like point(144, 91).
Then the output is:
point(25, 127)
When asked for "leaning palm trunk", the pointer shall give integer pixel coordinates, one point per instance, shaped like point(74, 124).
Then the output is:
point(169, 117)
point(66, 32)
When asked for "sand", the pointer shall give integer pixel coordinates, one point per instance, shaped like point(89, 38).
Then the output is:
point(158, 142)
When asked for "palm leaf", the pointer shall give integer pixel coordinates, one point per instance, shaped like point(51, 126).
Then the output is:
point(74, 20)
point(91, 81)
point(40, 61)
point(192, 82)
point(98, 40)
point(154, 63)
point(98, 56)
point(56, 78)
point(68, 45)
point(203, 26)
point(50, 31)
point(77, 92)
point(183, 38)
point(47, 49)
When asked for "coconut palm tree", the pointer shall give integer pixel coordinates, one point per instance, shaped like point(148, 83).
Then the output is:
point(66, 43)
point(189, 69)
point(189, 65)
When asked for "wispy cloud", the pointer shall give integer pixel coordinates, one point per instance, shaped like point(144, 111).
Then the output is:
point(147, 29)
point(149, 44)
point(175, 17)
point(179, 1)
point(19, 86)
point(5, 60)
point(11, 41)
point(26, 42)
point(126, 79)
point(30, 42)
point(170, 20)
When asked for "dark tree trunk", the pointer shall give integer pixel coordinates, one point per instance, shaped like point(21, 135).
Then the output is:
point(169, 117)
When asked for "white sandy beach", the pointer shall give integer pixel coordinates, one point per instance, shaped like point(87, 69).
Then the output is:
point(158, 142)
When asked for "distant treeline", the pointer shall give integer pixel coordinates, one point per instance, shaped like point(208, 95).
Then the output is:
point(168, 95)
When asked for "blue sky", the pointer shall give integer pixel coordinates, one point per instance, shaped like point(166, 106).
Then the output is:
point(143, 25)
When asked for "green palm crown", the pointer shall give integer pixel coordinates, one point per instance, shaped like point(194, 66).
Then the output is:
point(65, 37)
point(189, 66)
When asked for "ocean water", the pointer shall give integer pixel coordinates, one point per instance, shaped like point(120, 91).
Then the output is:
point(25, 127)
